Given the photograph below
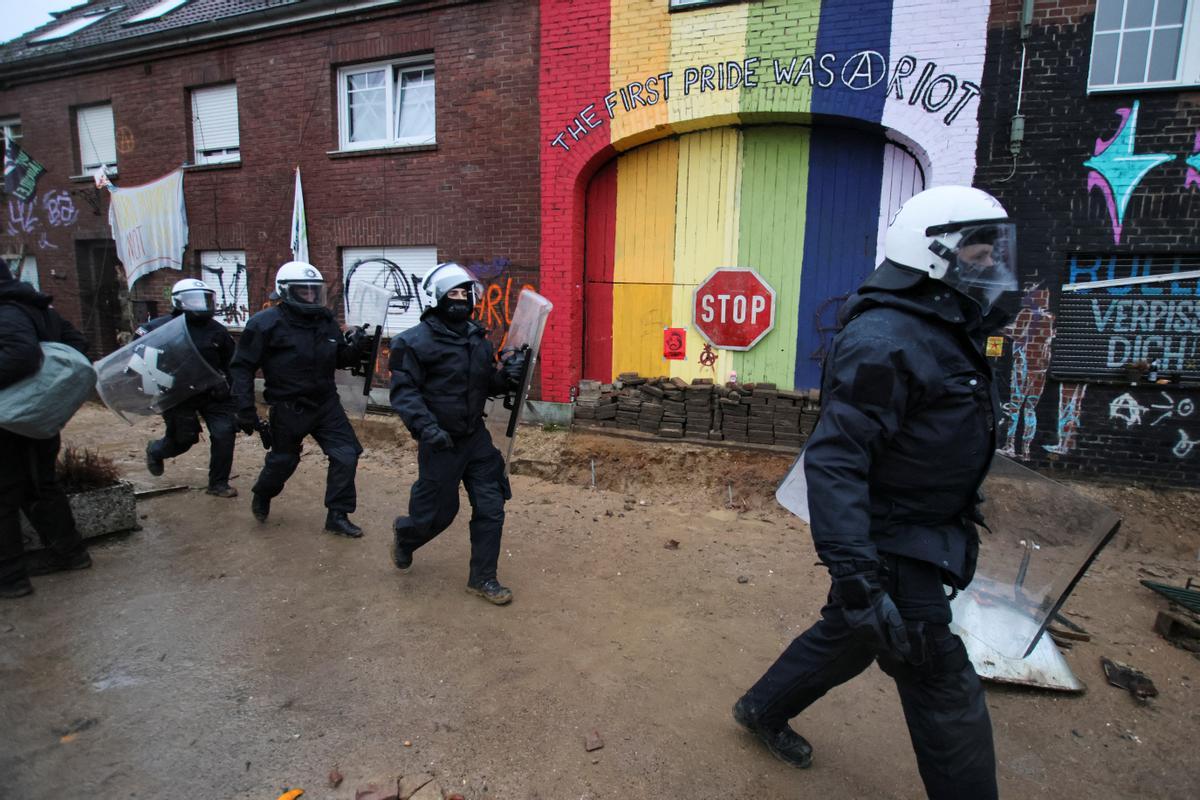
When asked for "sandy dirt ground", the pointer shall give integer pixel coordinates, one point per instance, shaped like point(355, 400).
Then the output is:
point(208, 656)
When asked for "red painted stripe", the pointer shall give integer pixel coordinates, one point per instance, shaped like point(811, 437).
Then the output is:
point(599, 262)
point(574, 73)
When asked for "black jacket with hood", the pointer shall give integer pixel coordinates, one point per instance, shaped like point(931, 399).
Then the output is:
point(26, 319)
point(907, 428)
point(443, 378)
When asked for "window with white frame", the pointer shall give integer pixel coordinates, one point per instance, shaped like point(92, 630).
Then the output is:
point(225, 272)
point(10, 130)
point(1141, 44)
point(97, 139)
point(397, 269)
point(386, 105)
point(23, 268)
point(215, 125)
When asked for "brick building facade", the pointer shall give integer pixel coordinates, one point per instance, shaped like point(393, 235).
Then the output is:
point(1076, 366)
point(468, 196)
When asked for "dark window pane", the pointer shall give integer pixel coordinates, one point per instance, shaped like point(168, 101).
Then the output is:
point(1164, 57)
point(1170, 12)
point(1134, 49)
point(1104, 59)
point(1108, 15)
point(1139, 13)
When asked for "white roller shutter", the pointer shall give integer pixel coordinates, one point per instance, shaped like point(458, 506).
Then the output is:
point(97, 137)
point(225, 272)
point(399, 269)
point(215, 124)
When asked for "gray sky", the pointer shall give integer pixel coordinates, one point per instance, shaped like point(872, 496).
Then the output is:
point(22, 16)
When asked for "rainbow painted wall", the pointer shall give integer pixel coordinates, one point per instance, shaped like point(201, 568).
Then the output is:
point(776, 134)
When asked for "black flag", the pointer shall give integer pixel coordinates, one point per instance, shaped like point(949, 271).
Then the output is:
point(21, 172)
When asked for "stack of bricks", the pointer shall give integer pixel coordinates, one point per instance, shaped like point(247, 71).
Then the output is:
point(754, 413)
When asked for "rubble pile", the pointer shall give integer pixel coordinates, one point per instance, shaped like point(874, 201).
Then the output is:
point(751, 413)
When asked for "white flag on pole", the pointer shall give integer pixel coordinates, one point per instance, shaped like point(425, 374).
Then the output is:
point(299, 226)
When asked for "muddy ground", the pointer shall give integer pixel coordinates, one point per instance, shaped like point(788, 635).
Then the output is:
point(209, 656)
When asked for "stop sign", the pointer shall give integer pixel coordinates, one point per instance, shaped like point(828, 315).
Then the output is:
point(734, 308)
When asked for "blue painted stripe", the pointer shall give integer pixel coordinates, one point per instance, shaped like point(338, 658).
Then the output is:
point(845, 172)
point(852, 31)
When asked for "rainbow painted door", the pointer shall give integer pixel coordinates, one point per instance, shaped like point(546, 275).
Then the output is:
point(802, 206)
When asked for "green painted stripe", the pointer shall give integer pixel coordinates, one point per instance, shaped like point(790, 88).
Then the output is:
point(781, 29)
point(774, 199)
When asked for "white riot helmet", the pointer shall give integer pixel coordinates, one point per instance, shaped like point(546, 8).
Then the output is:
point(194, 298)
point(958, 235)
point(301, 286)
point(446, 276)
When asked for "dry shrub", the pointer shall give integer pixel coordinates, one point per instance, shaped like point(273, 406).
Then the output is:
point(81, 470)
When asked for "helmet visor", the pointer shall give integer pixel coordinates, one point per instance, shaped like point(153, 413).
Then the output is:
point(197, 301)
point(304, 294)
point(984, 266)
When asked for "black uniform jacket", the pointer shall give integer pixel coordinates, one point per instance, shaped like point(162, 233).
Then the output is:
point(26, 319)
point(298, 353)
point(442, 378)
point(907, 428)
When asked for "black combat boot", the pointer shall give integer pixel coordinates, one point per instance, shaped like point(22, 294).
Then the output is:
point(492, 591)
point(16, 586)
point(260, 506)
point(154, 464)
point(48, 561)
point(337, 522)
point(783, 742)
point(401, 555)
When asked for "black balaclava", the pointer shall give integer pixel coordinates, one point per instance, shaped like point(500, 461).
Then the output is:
point(454, 313)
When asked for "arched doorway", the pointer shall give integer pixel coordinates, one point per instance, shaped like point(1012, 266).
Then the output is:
point(803, 206)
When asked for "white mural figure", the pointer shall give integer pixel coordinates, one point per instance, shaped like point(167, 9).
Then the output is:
point(1070, 413)
point(1032, 332)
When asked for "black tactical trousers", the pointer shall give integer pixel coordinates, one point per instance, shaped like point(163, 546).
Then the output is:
point(183, 431)
point(941, 695)
point(433, 504)
point(28, 483)
point(326, 422)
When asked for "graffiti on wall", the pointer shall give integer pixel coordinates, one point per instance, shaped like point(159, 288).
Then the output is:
point(1126, 410)
point(1105, 332)
point(1031, 332)
point(233, 295)
point(1115, 170)
point(1193, 162)
point(1070, 415)
point(34, 217)
point(933, 90)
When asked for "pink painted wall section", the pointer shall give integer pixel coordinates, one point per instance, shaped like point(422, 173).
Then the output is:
point(574, 75)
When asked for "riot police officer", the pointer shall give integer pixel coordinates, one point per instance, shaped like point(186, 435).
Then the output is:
point(196, 301)
point(443, 371)
point(299, 345)
point(904, 439)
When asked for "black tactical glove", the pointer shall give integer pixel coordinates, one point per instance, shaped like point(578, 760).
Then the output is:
point(219, 393)
point(872, 615)
point(513, 368)
point(359, 339)
point(436, 438)
point(247, 419)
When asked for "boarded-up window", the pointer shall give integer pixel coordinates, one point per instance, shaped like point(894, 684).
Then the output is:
point(215, 124)
point(225, 272)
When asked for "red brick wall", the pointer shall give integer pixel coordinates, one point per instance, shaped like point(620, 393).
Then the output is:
point(476, 196)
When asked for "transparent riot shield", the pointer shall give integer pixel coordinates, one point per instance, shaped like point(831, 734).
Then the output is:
point(366, 307)
point(155, 372)
point(524, 336)
point(1041, 538)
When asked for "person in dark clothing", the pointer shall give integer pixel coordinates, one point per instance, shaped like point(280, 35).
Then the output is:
point(443, 371)
point(299, 345)
point(197, 302)
point(905, 437)
point(28, 481)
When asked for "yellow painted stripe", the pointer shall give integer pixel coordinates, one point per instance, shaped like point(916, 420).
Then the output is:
point(706, 232)
point(640, 34)
point(640, 312)
point(699, 37)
